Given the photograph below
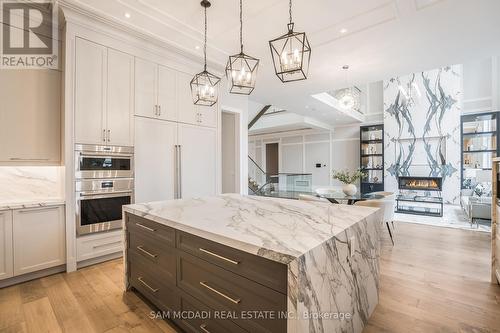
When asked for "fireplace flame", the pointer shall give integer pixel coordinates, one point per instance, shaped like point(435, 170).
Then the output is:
point(422, 183)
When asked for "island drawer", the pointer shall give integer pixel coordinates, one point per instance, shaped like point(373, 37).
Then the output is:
point(152, 229)
point(267, 272)
point(223, 290)
point(150, 284)
point(207, 320)
point(154, 255)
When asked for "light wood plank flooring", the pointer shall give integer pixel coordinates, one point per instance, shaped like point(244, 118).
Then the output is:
point(433, 280)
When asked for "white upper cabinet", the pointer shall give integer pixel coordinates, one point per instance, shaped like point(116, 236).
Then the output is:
point(103, 95)
point(186, 109)
point(207, 115)
point(120, 101)
point(167, 109)
point(155, 91)
point(6, 256)
point(30, 117)
point(90, 97)
point(145, 88)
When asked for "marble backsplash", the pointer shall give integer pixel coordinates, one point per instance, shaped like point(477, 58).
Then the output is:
point(31, 183)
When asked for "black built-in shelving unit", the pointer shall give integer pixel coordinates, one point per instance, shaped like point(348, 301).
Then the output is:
point(371, 157)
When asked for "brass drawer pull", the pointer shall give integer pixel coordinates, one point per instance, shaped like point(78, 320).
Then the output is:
point(219, 256)
point(235, 301)
point(140, 248)
point(147, 285)
point(144, 227)
point(203, 328)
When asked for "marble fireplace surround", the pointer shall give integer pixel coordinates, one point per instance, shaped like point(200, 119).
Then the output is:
point(422, 128)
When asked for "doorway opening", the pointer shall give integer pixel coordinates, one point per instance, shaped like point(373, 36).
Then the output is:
point(272, 160)
point(230, 145)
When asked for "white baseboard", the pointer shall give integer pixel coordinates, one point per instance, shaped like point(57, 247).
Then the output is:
point(32, 276)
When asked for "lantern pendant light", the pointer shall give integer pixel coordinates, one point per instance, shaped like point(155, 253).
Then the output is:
point(204, 85)
point(291, 54)
point(241, 69)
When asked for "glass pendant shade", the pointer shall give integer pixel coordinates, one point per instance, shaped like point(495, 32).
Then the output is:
point(241, 73)
point(204, 88)
point(291, 54)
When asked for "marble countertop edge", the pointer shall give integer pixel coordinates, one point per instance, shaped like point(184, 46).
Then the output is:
point(13, 205)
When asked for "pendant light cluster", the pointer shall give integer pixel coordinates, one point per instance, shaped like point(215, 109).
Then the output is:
point(291, 55)
point(204, 85)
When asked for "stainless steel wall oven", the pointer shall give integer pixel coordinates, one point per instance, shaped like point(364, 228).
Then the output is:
point(104, 183)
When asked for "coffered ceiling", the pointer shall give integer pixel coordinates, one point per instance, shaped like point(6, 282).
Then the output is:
point(377, 38)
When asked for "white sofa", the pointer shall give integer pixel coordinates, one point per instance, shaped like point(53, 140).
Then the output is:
point(475, 207)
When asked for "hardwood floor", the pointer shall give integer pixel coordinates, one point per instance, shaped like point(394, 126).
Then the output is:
point(436, 280)
point(433, 280)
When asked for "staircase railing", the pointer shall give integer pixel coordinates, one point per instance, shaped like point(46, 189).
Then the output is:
point(257, 117)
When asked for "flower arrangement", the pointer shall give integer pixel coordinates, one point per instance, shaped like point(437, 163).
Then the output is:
point(347, 177)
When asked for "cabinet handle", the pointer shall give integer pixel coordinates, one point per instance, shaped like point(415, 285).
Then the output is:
point(106, 245)
point(27, 159)
point(147, 285)
point(104, 135)
point(219, 256)
point(203, 327)
point(156, 110)
point(140, 248)
point(109, 135)
point(159, 110)
point(235, 301)
point(144, 227)
point(29, 210)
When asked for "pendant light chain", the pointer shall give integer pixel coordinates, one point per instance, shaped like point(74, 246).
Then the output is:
point(241, 25)
point(290, 10)
point(205, 45)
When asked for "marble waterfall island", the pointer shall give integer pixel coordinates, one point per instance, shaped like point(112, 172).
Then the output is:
point(276, 265)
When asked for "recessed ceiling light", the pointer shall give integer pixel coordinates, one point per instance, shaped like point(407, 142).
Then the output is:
point(127, 15)
point(197, 47)
point(307, 106)
point(343, 30)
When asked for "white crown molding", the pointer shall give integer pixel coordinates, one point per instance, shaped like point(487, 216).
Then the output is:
point(79, 15)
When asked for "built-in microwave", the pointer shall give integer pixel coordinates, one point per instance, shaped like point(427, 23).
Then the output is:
point(99, 162)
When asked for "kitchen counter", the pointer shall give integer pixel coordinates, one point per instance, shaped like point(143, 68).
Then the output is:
point(331, 252)
point(22, 204)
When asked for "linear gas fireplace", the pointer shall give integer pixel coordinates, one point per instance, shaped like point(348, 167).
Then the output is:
point(420, 183)
point(414, 197)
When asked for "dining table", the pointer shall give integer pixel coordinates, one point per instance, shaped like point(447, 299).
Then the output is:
point(338, 197)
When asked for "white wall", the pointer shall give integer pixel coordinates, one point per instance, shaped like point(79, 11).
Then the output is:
point(300, 151)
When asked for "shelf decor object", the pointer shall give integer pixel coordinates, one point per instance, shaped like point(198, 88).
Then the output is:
point(371, 159)
point(241, 69)
point(291, 54)
point(204, 85)
point(480, 144)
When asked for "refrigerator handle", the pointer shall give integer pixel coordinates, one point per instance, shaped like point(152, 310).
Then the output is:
point(176, 171)
point(179, 172)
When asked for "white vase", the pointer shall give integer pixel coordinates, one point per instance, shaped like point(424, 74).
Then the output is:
point(349, 189)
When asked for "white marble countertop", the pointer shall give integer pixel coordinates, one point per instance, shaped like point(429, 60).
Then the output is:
point(278, 229)
point(24, 204)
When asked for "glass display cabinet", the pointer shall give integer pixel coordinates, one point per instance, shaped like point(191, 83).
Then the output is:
point(372, 158)
point(479, 146)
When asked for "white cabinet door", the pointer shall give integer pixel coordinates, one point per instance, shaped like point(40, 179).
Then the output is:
point(207, 115)
point(146, 76)
point(6, 256)
point(167, 94)
point(154, 159)
point(90, 96)
point(198, 156)
point(120, 98)
point(39, 239)
point(187, 112)
point(30, 116)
